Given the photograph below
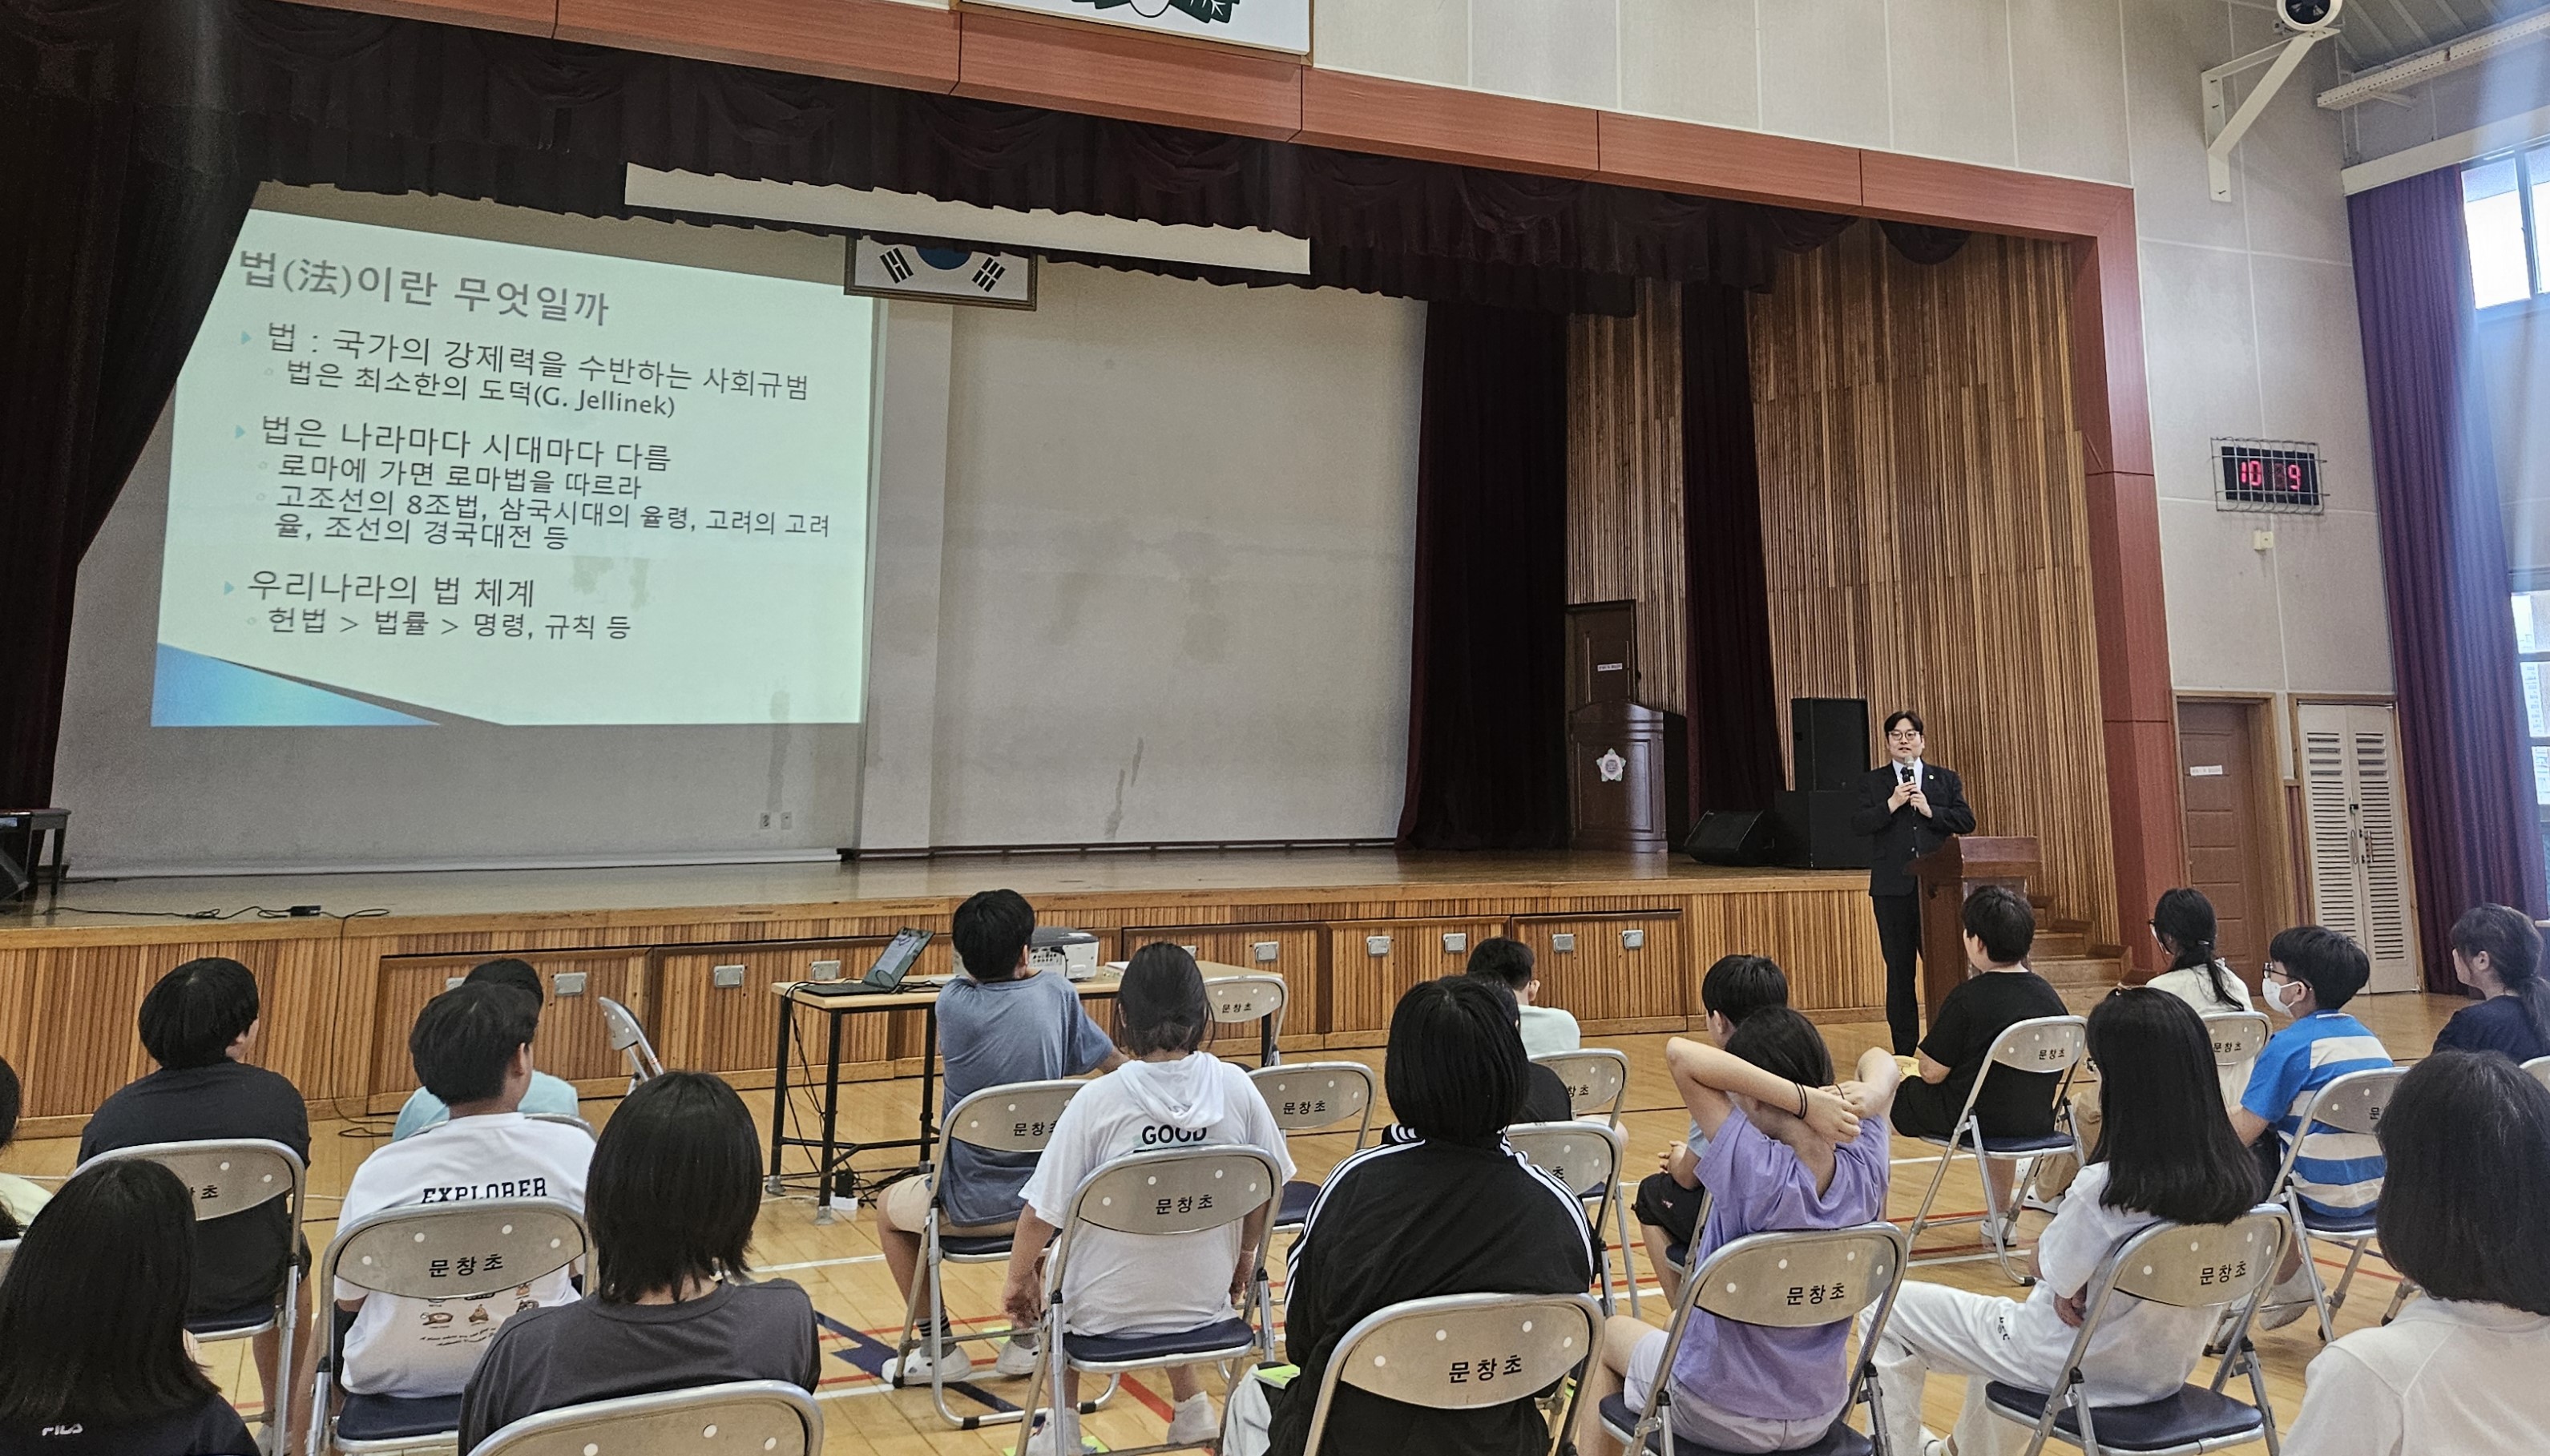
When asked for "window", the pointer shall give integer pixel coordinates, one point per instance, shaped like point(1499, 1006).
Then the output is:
point(2532, 650)
point(2506, 207)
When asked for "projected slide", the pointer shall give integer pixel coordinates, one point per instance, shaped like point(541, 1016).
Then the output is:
point(426, 479)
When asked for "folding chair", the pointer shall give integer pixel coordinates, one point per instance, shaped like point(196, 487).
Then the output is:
point(1239, 1000)
point(1596, 1078)
point(2349, 1107)
point(1016, 1118)
point(431, 1251)
point(1792, 1279)
point(1587, 1158)
point(2194, 1266)
point(1426, 1352)
point(2038, 1044)
point(8, 1254)
point(1305, 1098)
point(762, 1417)
point(233, 1177)
point(2539, 1067)
point(563, 1120)
point(1162, 1194)
point(629, 1040)
point(2237, 1036)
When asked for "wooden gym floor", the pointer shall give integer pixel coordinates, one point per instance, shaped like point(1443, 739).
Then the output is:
point(839, 1263)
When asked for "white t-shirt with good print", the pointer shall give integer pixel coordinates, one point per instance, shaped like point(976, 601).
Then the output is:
point(415, 1347)
point(1150, 1284)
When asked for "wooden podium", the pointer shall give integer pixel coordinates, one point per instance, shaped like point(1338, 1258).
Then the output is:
point(1946, 876)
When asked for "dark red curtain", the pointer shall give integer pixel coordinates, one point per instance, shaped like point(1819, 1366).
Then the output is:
point(1487, 745)
point(2474, 831)
point(1733, 720)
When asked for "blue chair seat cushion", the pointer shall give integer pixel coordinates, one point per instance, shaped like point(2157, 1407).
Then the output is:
point(394, 1418)
point(2191, 1415)
point(2333, 1225)
point(2033, 1143)
point(1841, 1440)
point(1678, 1255)
point(1116, 1349)
point(1295, 1210)
point(231, 1322)
point(974, 1246)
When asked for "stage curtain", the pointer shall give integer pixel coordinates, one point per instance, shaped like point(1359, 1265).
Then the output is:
point(1487, 750)
point(1733, 720)
point(2474, 831)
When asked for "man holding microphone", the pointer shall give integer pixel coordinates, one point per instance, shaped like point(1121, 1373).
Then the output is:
point(1909, 808)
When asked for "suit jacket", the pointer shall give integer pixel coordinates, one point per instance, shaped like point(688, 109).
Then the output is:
point(1903, 834)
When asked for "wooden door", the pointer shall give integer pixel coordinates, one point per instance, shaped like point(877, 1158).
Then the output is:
point(2229, 843)
point(2359, 834)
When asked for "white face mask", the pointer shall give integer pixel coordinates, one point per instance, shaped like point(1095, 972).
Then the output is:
point(2286, 994)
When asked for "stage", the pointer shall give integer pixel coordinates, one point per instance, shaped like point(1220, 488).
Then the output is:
point(1622, 941)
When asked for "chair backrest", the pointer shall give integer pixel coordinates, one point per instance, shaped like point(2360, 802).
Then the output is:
point(2341, 1120)
point(752, 1417)
point(2539, 1067)
point(225, 1177)
point(563, 1120)
point(431, 1251)
point(629, 1040)
point(1015, 1118)
point(1237, 999)
point(2199, 1265)
point(1173, 1191)
point(1305, 1096)
point(1459, 1352)
point(2041, 1044)
point(1596, 1078)
point(1586, 1156)
point(1800, 1279)
point(2237, 1036)
point(7, 1252)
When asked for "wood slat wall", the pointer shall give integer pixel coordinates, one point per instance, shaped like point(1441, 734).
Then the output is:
point(1624, 519)
point(1924, 530)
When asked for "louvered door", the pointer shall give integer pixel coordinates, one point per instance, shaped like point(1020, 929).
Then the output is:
point(2357, 828)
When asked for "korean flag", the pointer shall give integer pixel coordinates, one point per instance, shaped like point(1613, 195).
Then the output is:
point(944, 274)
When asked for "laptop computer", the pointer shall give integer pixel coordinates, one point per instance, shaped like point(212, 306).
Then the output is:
point(892, 964)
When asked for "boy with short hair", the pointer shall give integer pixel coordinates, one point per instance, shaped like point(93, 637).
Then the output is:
point(1669, 1200)
point(2312, 972)
point(472, 1049)
point(1999, 992)
point(999, 1023)
point(1545, 1029)
point(550, 1096)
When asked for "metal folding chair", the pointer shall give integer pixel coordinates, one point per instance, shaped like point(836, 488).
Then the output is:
point(1426, 1352)
point(431, 1251)
point(2192, 1266)
point(2237, 1036)
point(629, 1040)
point(748, 1417)
point(232, 1177)
point(2349, 1107)
point(1587, 1158)
point(1163, 1194)
point(1308, 1096)
point(2044, 1045)
point(8, 1254)
point(563, 1120)
point(1788, 1279)
point(1596, 1078)
point(1015, 1118)
point(1240, 1000)
point(2539, 1067)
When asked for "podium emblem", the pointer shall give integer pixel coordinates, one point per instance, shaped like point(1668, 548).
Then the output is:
point(1610, 765)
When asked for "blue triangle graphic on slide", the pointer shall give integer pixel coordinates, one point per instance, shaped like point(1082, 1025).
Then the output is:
point(190, 690)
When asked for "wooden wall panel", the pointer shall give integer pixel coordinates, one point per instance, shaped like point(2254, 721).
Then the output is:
point(1925, 533)
point(1624, 521)
point(572, 1042)
point(1602, 979)
point(1364, 988)
point(1300, 958)
point(1826, 943)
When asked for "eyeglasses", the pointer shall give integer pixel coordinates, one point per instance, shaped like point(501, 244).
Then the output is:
point(1905, 733)
point(2276, 972)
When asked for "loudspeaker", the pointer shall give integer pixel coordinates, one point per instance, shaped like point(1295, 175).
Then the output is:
point(1828, 741)
point(1732, 836)
point(1815, 832)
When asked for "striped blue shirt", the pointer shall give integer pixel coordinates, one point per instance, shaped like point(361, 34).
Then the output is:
point(2338, 1173)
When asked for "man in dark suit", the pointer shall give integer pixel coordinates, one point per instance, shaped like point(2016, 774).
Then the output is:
point(1909, 808)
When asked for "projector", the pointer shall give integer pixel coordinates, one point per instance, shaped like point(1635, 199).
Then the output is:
point(1072, 953)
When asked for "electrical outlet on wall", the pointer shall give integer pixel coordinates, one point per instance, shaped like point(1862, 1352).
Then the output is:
point(787, 818)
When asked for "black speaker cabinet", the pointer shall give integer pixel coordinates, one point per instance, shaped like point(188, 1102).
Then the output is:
point(1814, 830)
point(1732, 836)
point(1828, 741)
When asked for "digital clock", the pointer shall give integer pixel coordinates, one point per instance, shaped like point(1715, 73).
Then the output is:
point(2267, 475)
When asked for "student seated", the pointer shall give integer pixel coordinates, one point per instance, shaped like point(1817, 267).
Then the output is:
point(2312, 972)
point(1743, 1386)
point(1999, 992)
point(472, 1049)
point(997, 1022)
point(1669, 1198)
point(674, 1189)
point(553, 1096)
point(19, 1199)
point(2497, 952)
point(1545, 1028)
point(1168, 1093)
point(1404, 1221)
point(1546, 1098)
point(2165, 1152)
point(94, 1359)
point(2466, 1138)
point(198, 1023)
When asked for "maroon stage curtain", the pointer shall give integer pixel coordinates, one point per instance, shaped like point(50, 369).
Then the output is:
point(2473, 829)
point(1733, 720)
point(1487, 743)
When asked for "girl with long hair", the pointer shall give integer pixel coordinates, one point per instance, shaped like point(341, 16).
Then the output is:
point(2497, 952)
